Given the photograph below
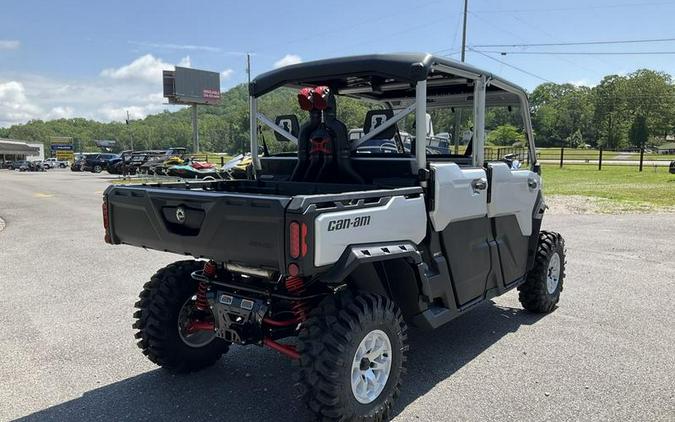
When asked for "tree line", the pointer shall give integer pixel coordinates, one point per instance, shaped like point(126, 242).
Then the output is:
point(621, 111)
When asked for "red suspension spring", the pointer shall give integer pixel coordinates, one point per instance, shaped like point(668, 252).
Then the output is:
point(296, 286)
point(210, 270)
point(201, 302)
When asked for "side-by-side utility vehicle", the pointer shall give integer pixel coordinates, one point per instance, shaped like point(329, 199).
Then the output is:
point(328, 254)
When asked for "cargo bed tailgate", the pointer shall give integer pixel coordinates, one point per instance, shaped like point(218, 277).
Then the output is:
point(228, 227)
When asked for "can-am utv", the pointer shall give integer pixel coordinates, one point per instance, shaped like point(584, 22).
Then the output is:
point(328, 254)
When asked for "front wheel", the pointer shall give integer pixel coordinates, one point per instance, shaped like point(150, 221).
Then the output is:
point(98, 169)
point(165, 319)
point(541, 290)
point(352, 354)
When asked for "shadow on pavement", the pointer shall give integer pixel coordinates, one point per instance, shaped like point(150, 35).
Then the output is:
point(254, 384)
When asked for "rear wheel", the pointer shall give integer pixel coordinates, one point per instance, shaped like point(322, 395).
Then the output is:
point(541, 291)
point(352, 356)
point(166, 319)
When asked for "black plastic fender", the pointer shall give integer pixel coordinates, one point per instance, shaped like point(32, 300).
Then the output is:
point(356, 255)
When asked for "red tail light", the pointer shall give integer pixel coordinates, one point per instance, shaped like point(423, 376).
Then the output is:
point(294, 240)
point(297, 239)
point(106, 221)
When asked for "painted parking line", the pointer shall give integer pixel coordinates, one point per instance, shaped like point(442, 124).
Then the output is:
point(42, 195)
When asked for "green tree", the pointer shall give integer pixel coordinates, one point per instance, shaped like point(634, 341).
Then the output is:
point(505, 135)
point(639, 133)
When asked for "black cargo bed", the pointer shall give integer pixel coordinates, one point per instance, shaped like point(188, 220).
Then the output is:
point(224, 226)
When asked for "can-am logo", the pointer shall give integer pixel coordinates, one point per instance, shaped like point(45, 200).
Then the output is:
point(180, 215)
point(348, 223)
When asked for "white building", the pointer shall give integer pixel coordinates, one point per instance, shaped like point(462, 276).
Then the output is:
point(12, 150)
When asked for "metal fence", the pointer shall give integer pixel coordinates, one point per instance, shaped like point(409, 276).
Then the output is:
point(601, 157)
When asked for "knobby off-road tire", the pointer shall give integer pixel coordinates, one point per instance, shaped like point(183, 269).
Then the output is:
point(328, 342)
point(541, 291)
point(159, 306)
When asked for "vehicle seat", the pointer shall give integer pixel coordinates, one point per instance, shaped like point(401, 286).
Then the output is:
point(375, 118)
point(323, 142)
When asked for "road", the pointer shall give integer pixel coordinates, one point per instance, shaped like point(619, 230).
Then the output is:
point(68, 353)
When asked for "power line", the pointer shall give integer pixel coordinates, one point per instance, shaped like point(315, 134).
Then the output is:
point(578, 53)
point(575, 43)
point(511, 66)
point(585, 7)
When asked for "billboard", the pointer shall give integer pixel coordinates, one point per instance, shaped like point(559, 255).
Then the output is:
point(191, 86)
point(65, 155)
point(61, 147)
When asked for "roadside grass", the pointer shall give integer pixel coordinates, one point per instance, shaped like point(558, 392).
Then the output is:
point(650, 190)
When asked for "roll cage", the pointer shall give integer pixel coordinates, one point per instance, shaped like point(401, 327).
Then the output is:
point(408, 83)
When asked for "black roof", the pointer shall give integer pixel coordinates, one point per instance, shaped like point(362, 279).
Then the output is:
point(338, 72)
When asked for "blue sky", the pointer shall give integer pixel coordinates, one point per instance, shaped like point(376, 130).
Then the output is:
point(97, 59)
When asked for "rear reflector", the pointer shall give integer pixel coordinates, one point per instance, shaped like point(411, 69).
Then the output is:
point(294, 240)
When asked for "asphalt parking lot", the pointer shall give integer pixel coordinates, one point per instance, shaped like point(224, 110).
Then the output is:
point(67, 351)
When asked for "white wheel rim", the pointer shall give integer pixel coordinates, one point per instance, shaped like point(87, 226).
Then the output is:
point(371, 366)
point(553, 273)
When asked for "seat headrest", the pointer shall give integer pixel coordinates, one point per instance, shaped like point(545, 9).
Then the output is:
point(375, 118)
point(288, 122)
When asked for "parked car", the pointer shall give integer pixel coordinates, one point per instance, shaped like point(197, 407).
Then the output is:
point(31, 166)
point(341, 252)
point(16, 165)
point(97, 163)
point(115, 165)
point(78, 163)
point(51, 163)
point(671, 168)
point(6, 164)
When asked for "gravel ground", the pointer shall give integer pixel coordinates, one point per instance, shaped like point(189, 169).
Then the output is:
point(579, 204)
point(68, 352)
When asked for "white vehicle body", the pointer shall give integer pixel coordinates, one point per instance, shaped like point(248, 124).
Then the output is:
point(55, 163)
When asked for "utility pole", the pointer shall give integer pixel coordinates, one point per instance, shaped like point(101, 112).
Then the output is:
point(131, 136)
point(464, 31)
point(458, 111)
point(248, 75)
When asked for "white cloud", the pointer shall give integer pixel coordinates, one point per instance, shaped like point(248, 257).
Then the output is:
point(25, 97)
point(288, 59)
point(145, 68)
point(169, 46)
point(583, 82)
point(61, 112)
point(14, 105)
point(9, 44)
point(226, 74)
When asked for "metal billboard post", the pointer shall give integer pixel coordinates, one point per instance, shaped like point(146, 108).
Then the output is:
point(195, 129)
